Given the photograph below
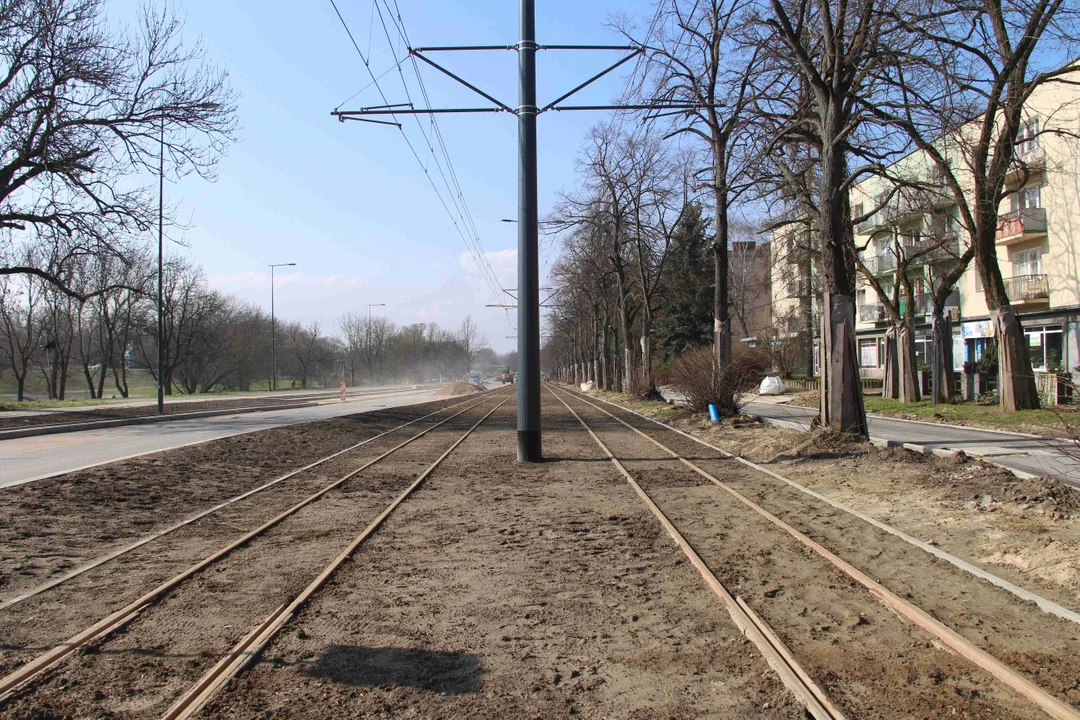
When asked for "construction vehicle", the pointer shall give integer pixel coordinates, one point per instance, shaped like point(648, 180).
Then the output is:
point(506, 376)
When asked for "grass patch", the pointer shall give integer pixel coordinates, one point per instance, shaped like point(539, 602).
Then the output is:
point(48, 404)
point(991, 416)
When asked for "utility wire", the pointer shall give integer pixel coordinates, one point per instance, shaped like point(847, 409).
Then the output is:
point(455, 197)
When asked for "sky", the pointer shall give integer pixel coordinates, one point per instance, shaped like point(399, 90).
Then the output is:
point(349, 202)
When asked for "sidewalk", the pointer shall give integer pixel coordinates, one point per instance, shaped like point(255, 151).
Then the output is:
point(1024, 453)
point(1038, 456)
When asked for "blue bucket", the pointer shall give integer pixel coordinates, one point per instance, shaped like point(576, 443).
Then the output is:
point(714, 413)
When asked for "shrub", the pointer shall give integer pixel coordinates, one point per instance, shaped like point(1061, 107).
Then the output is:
point(694, 375)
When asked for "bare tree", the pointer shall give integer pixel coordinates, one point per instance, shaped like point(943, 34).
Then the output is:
point(79, 136)
point(472, 341)
point(695, 59)
point(19, 300)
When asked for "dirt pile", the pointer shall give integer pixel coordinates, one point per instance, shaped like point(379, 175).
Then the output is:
point(977, 481)
point(455, 389)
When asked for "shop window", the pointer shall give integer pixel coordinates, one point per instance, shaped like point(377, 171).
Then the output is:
point(1045, 347)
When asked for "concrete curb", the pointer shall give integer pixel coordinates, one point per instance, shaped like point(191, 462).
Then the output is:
point(883, 443)
point(142, 420)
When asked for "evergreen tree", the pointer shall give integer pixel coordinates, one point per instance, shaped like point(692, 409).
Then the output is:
point(685, 308)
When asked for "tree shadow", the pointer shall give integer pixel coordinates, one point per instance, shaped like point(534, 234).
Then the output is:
point(449, 673)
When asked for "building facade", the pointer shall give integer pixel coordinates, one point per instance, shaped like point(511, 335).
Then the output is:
point(912, 236)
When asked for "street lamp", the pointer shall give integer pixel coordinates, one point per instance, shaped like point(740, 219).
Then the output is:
point(273, 332)
point(371, 377)
point(160, 262)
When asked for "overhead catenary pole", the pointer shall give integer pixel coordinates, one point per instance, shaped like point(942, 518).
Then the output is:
point(528, 419)
point(528, 300)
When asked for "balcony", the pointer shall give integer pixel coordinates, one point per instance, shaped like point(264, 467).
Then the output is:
point(922, 304)
point(1027, 288)
point(871, 313)
point(933, 249)
point(1028, 160)
point(1021, 225)
point(880, 264)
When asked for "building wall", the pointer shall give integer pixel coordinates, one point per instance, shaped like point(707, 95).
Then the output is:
point(1054, 107)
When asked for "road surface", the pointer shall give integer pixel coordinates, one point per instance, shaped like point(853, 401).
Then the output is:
point(24, 460)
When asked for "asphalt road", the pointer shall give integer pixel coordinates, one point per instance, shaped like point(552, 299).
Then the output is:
point(1038, 456)
point(24, 460)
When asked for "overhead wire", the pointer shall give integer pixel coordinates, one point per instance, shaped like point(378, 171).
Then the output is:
point(466, 213)
point(468, 233)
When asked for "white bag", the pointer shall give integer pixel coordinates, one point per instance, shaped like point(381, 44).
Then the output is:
point(588, 386)
point(771, 385)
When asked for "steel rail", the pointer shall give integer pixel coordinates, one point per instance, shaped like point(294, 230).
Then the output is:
point(252, 644)
point(1048, 606)
point(1051, 705)
point(102, 559)
point(775, 653)
point(104, 627)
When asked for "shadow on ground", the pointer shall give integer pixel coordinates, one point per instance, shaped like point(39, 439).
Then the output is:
point(449, 673)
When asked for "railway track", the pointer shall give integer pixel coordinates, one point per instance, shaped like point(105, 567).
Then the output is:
point(255, 562)
point(147, 539)
point(677, 476)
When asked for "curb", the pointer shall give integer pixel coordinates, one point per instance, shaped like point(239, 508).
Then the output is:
point(142, 420)
point(922, 449)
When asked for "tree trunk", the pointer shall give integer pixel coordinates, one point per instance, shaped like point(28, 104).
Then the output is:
point(909, 371)
point(842, 406)
point(942, 364)
point(721, 309)
point(1016, 381)
point(20, 388)
point(890, 386)
point(89, 380)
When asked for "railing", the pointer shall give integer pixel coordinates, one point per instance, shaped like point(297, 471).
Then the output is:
point(871, 313)
point(1021, 222)
point(934, 248)
point(922, 304)
point(882, 263)
point(1027, 287)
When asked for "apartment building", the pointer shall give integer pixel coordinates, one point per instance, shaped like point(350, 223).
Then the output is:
point(916, 234)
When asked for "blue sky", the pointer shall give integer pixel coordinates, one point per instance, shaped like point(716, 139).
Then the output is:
point(349, 202)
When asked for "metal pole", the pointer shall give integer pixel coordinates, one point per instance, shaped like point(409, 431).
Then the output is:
point(160, 283)
point(273, 337)
point(528, 422)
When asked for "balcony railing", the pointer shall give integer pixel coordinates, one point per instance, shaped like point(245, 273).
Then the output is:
point(933, 248)
point(881, 263)
point(871, 313)
point(922, 304)
point(1027, 287)
point(1022, 224)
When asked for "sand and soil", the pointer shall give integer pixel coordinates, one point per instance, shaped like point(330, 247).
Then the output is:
point(508, 591)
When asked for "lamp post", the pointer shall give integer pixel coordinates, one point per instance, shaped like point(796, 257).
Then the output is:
point(371, 377)
point(160, 262)
point(273, 329)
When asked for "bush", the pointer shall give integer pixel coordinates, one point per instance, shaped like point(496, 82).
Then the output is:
point(695, 377)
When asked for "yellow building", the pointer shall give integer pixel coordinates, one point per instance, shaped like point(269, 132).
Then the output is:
point(917, 233)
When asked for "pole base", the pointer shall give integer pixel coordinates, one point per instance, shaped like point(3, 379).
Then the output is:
point(528, 446)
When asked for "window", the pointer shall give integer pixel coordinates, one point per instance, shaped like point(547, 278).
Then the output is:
point(1027, 263)
point(1026, 138)
point(1029, 197)
point(922, 349)
point(1044, 347)
point(868, 353)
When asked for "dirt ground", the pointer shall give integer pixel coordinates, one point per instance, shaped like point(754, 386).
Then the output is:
point(1027, 531)
point(547, 591)
point(54, 525)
